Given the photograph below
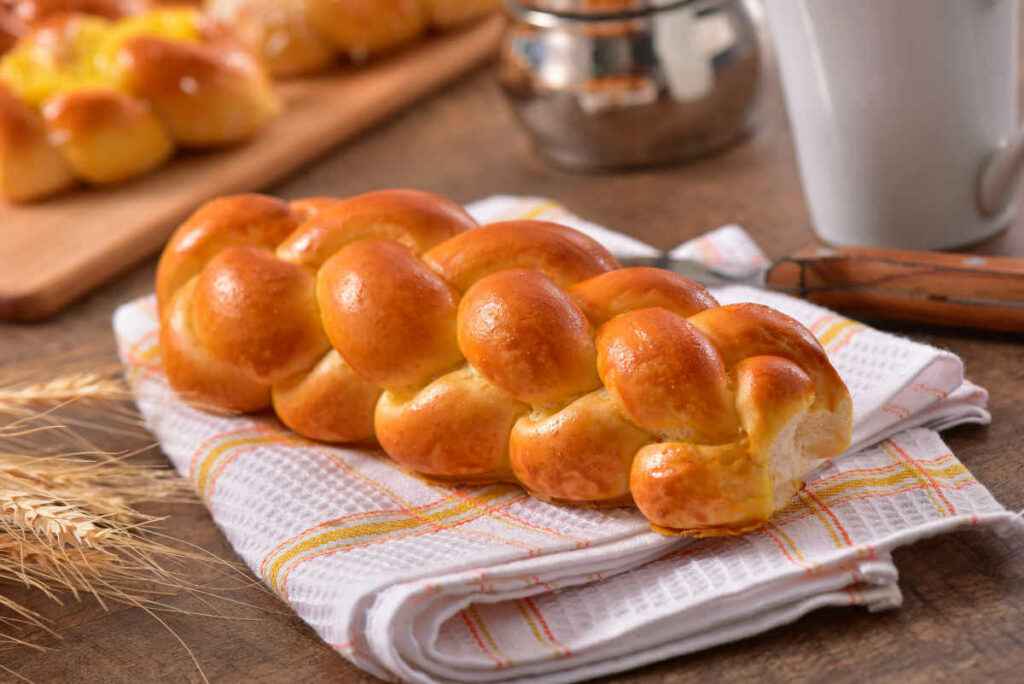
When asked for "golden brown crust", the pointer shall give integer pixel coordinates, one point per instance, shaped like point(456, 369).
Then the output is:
point(667, 377)
point(581, 453)
point(707, 416)
point(526, 336)
point(418, 220)
point(279, 31)
point(20, 125)
point(207, 94)
point(740, 331)
point(310, 207)
point(19, 17)
point(33, 11)
point(390, 317)
point(106, 136)
point(330, 403)
point(255, 220)
point(628, 289)
point(562, 254)
point(295, 37)
point(259, 314)
point(30, 167)
point(456, 427)
point(692, 487)
point(118, 95)
point(200, 378)
point(360, 28)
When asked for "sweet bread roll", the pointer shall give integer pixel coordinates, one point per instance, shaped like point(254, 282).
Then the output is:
point(55, 58)
point(30, 166)
point(581, 453)
point(241, 220)
point(377, 296)
point(280, 31)
point(512, 352)
point(562, 254)
point(455, 429)
point(106, 136)
point(295, 37)
point(411, 218)
point(259, 313)
point(115, 98)
point(207, 94)
point(200, 377)
point(360, 28)
point(308, 402)
point(34, 11)
point(18, 17)
point(525, 335)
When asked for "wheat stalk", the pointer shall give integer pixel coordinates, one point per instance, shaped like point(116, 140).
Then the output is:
point(52, 520)
point(84, 402)
point(68, 525)
point(74, 387)
point(70, 522)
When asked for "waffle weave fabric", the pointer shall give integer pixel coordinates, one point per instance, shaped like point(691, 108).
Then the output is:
point(420, 582)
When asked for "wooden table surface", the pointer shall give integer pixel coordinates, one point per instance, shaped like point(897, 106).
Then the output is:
point(963, 611)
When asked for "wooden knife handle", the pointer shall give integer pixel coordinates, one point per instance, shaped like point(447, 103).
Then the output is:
point(957, 290)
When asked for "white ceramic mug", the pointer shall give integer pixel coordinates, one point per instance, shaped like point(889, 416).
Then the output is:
point(905, 116)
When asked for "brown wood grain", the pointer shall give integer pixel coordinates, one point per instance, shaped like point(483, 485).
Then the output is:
point(54, 251)
point(964, 593)
point(954, 290)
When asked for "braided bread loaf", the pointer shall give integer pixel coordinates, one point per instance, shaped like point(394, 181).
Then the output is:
point(304, 36)
point(18, 17)
point(84, 98)
point(517, 351)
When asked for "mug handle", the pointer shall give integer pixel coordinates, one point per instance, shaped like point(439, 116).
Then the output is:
point(1000, 177)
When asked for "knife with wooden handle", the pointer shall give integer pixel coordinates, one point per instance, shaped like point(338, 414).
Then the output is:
point(952, 290)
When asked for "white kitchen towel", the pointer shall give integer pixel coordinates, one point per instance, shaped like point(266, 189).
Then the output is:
point(413, 580)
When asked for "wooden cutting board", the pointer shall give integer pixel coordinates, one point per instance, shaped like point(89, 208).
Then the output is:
point(57, 250)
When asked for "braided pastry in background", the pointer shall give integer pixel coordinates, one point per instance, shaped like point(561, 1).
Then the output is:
point(86, 99)
point(304, 36)
point(517, 351)
point(18, 17)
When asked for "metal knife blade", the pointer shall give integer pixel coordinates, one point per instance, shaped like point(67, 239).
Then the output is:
point(702, 273)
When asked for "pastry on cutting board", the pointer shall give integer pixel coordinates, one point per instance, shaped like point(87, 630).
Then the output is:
point(517, 351)
point(305, 36)
point(18, 17)
point(83, 98)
